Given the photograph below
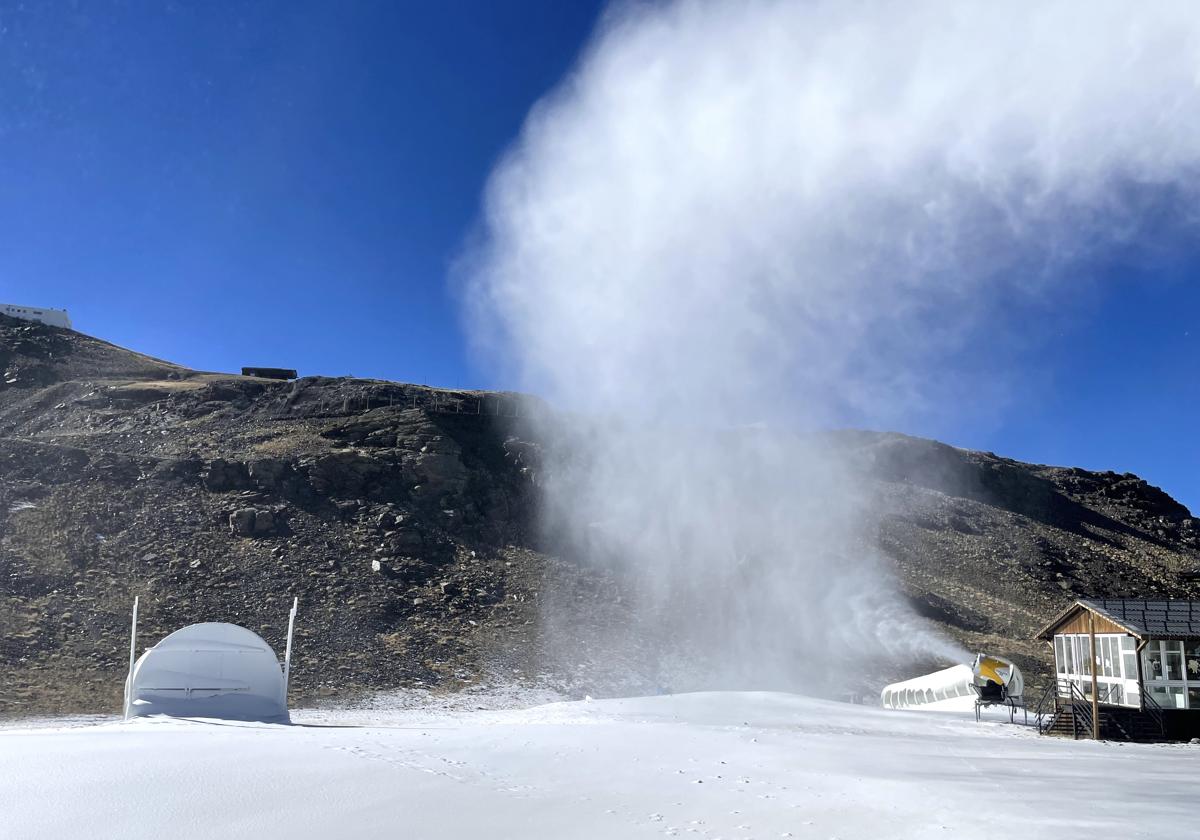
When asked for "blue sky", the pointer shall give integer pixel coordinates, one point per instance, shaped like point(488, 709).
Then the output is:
point(287, 183)
point(229, 183)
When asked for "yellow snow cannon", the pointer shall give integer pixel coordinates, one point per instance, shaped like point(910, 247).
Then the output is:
point(988, 680)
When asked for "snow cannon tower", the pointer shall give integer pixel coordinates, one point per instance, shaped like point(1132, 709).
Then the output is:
point(989, 680)
point(210, 670)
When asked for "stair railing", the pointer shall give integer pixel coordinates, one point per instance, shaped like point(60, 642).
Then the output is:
point(1081, 712)
point(1047, 707)
point(1062, 695)
point(1065, 696)
point(1154, 711)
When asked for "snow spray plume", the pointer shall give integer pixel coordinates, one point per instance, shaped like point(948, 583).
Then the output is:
point(737, 218)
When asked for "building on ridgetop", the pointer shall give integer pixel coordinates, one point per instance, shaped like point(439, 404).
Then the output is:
point(53, 317)
point(1126, 668)
point(270, 373)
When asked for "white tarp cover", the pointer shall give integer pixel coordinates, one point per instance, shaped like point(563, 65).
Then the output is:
point(955, 687)
point(212, 670)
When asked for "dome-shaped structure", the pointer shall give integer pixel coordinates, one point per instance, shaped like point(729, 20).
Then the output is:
point(211, 670)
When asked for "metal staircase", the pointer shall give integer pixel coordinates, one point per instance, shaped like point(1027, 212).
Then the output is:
point(1065, 711)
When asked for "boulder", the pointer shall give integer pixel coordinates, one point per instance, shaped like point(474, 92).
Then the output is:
point(346, 474)
point(242, 522)
point(221, 475)
point(264, 522)
point(269, 473)
point(177, 470)
point(253, 522)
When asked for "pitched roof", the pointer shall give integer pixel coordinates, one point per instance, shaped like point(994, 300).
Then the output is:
point(1143, 618)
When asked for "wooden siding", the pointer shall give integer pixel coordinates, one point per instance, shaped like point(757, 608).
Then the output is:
point(1077, 622)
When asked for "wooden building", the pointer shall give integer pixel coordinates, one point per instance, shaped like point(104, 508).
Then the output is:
point(1125, 668)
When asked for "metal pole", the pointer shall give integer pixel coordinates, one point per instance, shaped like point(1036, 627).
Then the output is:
point(1095, 684)
point(132, 655)
point(1137, 652)
point(287, 656)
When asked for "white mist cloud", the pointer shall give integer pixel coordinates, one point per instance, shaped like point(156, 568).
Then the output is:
point(795, 213)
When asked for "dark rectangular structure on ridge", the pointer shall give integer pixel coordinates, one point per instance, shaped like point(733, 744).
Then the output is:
point(269, 373)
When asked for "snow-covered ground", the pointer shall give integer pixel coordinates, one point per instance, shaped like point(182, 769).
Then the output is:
point(730, 765)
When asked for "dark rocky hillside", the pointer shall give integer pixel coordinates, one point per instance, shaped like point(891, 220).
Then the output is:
point(992, 548)
point(401, 516)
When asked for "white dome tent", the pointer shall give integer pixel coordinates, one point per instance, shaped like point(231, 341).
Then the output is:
point(210, 670)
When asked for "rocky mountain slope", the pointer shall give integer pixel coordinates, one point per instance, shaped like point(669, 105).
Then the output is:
point(992, 548)
point(402, 517)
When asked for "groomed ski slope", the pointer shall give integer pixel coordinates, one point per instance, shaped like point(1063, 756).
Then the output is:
point(728, 765)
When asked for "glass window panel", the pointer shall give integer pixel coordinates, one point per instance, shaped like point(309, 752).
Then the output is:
point(1154, 662)
point(1132, 694)
point(1192, 661)
point(1129, 663)
point(1106, 654)
point(1127, 644)
point(1168, 696)
point(1173, 660)
point(1193, 698)
point(1070, 658)
point(1060, 658)
point(1115, 693)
